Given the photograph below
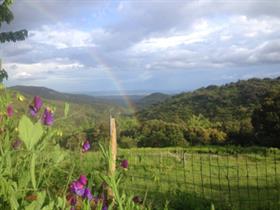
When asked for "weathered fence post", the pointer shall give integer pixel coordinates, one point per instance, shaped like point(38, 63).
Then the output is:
point(113, 152)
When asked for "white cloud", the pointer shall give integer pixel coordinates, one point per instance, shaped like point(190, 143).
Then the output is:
point(199, 33)
point(19, 71)
point(225, 37)
point(144, 39)
point(253, 27)
point(62, 37)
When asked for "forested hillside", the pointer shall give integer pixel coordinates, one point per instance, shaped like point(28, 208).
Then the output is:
point(233, 101)
point(213, 115)
point(151, 99)
point(86, 118)
point(55, 95)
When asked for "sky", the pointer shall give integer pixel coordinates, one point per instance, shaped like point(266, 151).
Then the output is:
point(87, 45)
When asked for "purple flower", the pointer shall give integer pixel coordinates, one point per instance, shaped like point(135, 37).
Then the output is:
point(124, 164)
point(77, 188)
point(83, 179)
point(105, 207)
point(37, 104)
point(10, 111)
point(47, 117)
point(137, 199)
point(86, 146)
point(16, 144)
point(32, 110)
point(73, 201)
point(87, 194)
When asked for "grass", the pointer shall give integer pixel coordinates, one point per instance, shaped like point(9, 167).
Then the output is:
point(229, 177)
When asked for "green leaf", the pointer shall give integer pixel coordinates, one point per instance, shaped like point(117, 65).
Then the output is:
point(66, 109)
point(13, 202)
point(37, 204)
point(61, 202)
point(50, 206)
point(32, 171)
point(29, 133)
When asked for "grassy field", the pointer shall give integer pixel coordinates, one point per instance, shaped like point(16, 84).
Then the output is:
point(195, 177)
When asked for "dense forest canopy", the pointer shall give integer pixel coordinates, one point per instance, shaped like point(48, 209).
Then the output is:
point(233, 101)
point(214, 115)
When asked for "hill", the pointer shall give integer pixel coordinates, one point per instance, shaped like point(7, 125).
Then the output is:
point(233, 101)
point(86, 114)
point(55, 95)
point(151, 99)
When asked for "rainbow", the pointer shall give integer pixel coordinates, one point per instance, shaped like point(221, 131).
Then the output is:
point(116, 81)
point(106, 67)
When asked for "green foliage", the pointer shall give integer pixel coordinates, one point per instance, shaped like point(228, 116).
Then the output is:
point(266, 121)
point(199, 130)
point(24, 169)
point(29, 133)
point(5, 13)
point(151, 99)
point(7, 16)
point(201, 135)
point(66, 109)
point(38, 203)
point(182, 176)
point(121, 200)
point(228, 102)
point(199, 121)
point(227, 111)
point(127, 131)
point(3, 74)
point(156, 133)
point(36, 174)
point(13, 36)
point(127, 142)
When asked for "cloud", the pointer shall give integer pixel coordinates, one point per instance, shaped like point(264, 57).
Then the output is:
point(141, 41)
point(42, 70)
point(31, 14)
point(61, 37)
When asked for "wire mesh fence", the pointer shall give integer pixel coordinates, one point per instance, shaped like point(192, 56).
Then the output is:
point(237, 181)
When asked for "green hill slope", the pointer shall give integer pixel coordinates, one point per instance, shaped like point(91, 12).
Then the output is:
point(87, 118)
point(151, 99)
point(232, 101)
point(55, 95)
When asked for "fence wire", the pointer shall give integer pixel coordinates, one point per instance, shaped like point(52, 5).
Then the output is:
point(240, 181)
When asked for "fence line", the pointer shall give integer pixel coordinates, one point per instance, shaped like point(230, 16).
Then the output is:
point(233, 181)
point(238, 181)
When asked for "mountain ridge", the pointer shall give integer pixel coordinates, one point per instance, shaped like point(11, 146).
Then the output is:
point(51, 94)
point(232, 101)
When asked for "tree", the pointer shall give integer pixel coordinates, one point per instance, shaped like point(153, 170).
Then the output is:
point(157, 133)
point(266, 121)
point(199, 130)
point(7, 16)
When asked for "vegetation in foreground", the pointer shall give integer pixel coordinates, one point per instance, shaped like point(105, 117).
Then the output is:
point(35, 173)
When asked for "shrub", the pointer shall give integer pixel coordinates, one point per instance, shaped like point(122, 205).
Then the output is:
point(157, 133)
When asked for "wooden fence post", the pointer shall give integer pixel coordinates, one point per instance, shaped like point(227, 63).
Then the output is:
point(113, 151)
